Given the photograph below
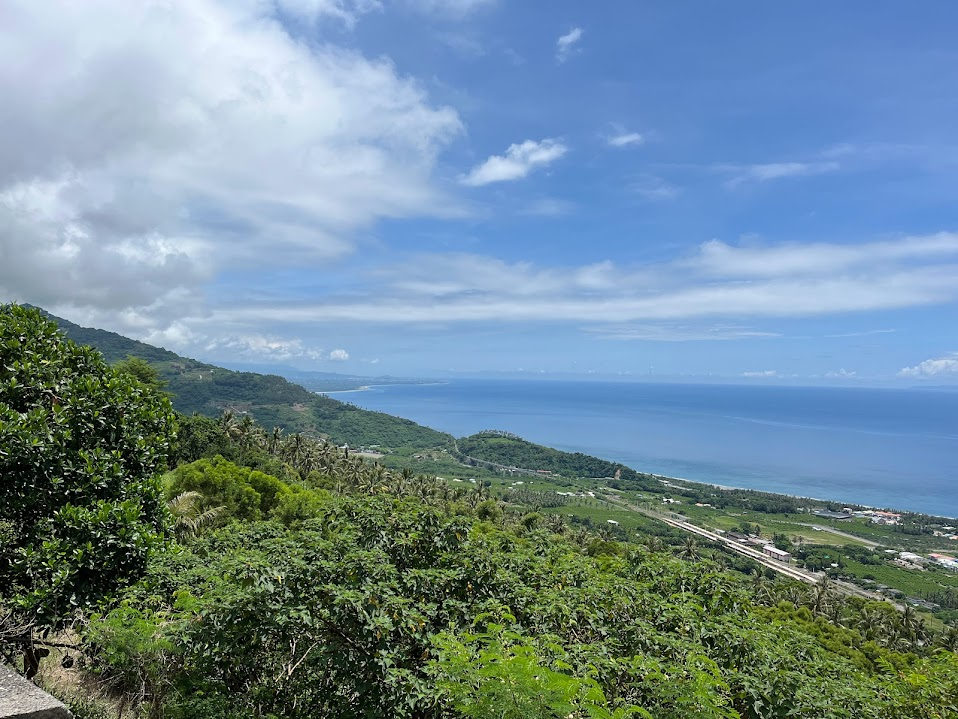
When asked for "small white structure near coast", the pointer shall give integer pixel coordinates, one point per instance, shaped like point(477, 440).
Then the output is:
point(945, 561)
point(775, 553)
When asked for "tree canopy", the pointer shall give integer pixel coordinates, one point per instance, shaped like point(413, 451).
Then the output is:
point(80, 447)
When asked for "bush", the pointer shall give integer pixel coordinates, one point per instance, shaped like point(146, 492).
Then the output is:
point(80, 448)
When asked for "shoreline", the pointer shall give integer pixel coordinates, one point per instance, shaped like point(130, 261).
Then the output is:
point(853, 505)
point(361, 388)
point(367, 387)
point(848, 501)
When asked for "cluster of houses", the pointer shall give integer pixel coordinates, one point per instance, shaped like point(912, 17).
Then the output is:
point(579, 495)
point(879, 517)
point(910, 560)
point(875, 515)
point(945, 561)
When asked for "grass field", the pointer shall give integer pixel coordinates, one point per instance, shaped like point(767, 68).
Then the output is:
point(912, 582)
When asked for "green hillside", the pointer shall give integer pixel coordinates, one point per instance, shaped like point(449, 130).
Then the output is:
point(197, 387)
point(511, 451)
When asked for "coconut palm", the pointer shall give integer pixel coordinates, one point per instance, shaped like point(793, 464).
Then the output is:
point(820, 596)
point(189, 518)
point(655, 544)
point(274, 441)
point(836, 610)
point(948, 639)
point(870, 623)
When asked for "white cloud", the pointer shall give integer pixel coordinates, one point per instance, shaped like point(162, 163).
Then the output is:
point(567, 44)
point(776, 171)
point(450, 9)
point(548, 207)
point(625, 139)
point(130, 173)
point(938, 367)
point(339, 355)
point(258, 346)
point(717, 258)
point(347, 11)
point(678, 333)
point(761, 373)
point(654, 189)
point(732, 285)
point(841, 374)
point(862, 333)
point(518, 161)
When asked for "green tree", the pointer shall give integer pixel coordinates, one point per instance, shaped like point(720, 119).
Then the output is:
point(782, 542)
point(80, 448)
point(142, 371)
point(240, 492)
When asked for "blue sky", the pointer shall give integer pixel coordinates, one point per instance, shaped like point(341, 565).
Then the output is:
point(758, 192)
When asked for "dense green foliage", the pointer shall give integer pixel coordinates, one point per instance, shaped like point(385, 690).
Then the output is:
point(382, 606)
point(308, 582)
point(511, 451)
point(80, 447)
point(397, 596)
point(243, 493)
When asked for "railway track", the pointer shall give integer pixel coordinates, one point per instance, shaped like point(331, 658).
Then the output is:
point(752, 553)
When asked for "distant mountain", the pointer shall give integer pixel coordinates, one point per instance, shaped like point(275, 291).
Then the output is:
point(270, 399)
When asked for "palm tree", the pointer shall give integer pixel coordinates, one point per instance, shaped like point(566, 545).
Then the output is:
point(821, 595)
point(375, 479)
point(556, 524)
point(274, 441)
point(189, 519)
point(794, 595)
point(836, 610)
point(690, 550)
point(869, 623)
point(478, 494)
point(908, 622)
point(226, 422)
point(293, 449)
point(404, 481)
point(948, 639)
point(655, 544)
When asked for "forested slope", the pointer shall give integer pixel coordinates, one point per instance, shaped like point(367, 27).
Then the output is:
point(511, 451)
point(197, 387)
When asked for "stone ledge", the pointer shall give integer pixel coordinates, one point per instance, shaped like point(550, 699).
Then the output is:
point(21, 699)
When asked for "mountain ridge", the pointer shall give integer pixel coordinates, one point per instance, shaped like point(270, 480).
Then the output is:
point(202, 388)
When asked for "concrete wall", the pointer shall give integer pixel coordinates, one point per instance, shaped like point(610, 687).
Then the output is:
point(21, 699)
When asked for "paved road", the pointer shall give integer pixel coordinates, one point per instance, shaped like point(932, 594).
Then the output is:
point(752, 553)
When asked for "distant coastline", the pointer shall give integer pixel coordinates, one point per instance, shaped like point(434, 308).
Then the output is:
point(363, 388)
point(871, 448)
point(367, 387)
point(850, 504)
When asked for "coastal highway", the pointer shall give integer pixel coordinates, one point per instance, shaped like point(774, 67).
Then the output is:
point(752, 553)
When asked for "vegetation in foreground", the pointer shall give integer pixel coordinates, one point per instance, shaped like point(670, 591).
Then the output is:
point(297, 580)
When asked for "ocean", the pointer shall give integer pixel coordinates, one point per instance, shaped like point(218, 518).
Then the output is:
point(879, 447)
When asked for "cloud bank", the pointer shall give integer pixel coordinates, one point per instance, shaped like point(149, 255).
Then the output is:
point(165, 143)
point(719, 282)
point(946, 366)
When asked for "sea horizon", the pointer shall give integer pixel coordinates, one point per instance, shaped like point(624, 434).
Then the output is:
point(878, 447)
